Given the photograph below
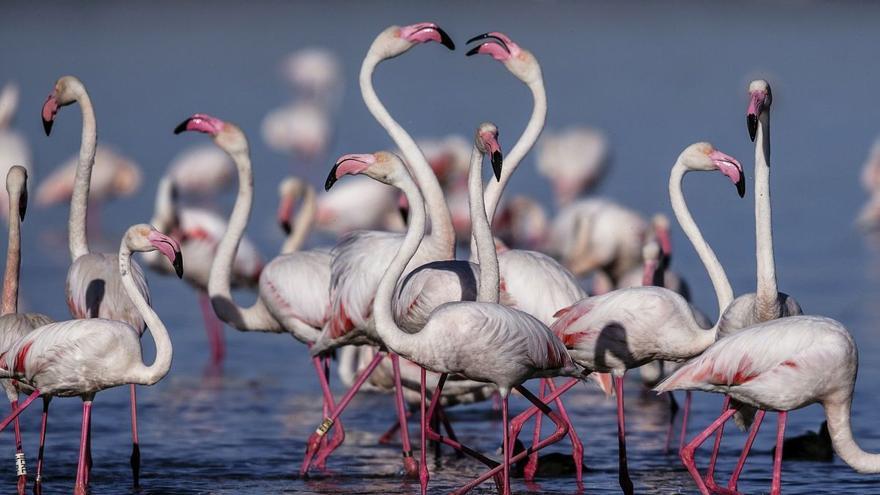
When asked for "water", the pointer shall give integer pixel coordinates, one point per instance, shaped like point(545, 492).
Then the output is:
point(655, 76)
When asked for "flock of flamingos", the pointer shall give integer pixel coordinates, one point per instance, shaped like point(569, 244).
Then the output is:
point(466, 330)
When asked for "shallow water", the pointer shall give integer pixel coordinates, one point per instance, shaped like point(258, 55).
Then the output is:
point(654, 76)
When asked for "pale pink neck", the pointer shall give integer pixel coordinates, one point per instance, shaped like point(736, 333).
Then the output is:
point(13, 258)
point(766, 299)
point(79, 201)
point(488, 290)
point(302, 224)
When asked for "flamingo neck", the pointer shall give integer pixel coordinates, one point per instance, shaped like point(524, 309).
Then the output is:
point(151, 374)
point(723, 290)
point(302, 224)
point(523, 145)
point(13, 259)
point(392, 336)
point(256, 317)
point(79, 201)
point(164, 208)
point(482, 232)
point(838, 415)
point(767, 298)
point(442, 235)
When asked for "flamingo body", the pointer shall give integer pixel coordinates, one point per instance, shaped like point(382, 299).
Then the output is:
point(290, 287)
point(94, 290)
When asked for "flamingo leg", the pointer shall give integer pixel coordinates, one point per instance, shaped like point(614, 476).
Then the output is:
point(731, 485)
point(561, 431)
point(80, 487)
point(214, 330)
point(447, 425)
point(532, 464)
point(684, 419)
point(505, 446)
point(20, 464)
point(670, 429)
point(687, 453)
point(623, 474)
point(577, 447)
point(38, 479)
point(88, 472)
point(19, 410)
point(517, 423)
point(332, 444)
point(135, 442)
point(315, 438)
point(710, 471)
point(776, 484)
point(409, 463)
point(424, 476)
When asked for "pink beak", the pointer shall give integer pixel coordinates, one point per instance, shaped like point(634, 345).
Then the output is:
point(499, 46)
point(730, 167)
point(50, 109)
point(756, 105)
point(424, 32)
point(169, 247)
point(285, 212)
point(201, 122)
point(352, 164)
point(664, 240)
point(490, 140)
point(648, 272)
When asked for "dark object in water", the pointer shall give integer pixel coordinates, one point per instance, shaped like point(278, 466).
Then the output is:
point(552, 465)
point(810, 446)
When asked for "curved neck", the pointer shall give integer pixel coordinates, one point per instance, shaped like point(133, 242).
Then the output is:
point(302, 224)
point(523, 145)
point(840, 429)
point(723, 291)
point(13, 259)
point(154, 372)
point(766, 300)
point(442, 233)
point(482, 232)
point(79, 201)
point(164, 207)
point(256, 317)
point(392, 336)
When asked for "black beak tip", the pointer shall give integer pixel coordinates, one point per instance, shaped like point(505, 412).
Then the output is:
point(178, 264)
point(497, 164)
point(472, 51)
point(285, 226)
point(181, 127)
point(404, 213)
point(47, 126)
point(752, 123)
point(741, 186)
point(478, 37)
point(445, 40)
point(331, 178)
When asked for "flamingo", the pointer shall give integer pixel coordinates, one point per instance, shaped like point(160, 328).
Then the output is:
point(522, 223)
point(766, 303)
point(574, 159)
point(293, 288)
point(481, 340)
point(780, 365)
point(14, 149)
point(81, 357)
point(199, 231)
point(360, 204)
point(94, 287)
point(114, 176)
point(361, 258)
point(302, 129)
point(317, 73)
point(201, 171)
point(14, 325)
point(628, 328)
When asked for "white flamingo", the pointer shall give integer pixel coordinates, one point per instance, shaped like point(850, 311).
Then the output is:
point(302, 129)
point(361, 258)
point(94, 287)
point(14, 149)
point(78, 358)
point(360, 204)
point(201, 171)
point(628, 328)
point(14, 325)
point(315, 72)
point(482, 340)
point(573, 159)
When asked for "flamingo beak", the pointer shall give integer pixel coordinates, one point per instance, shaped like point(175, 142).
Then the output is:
point(348, 165)
point(498, 46)
point(426, 31)
point(490, 140)
point(201, 122)
point(730, 167)
point(22, 204)
point(50, 109)
point(403, 207)
point(756, 105)
point(170, 248)
point(285, 210)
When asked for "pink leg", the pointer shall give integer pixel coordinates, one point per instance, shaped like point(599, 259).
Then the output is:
point(424, 476)
point(80, 488)
point(444, 419)
point(731, 485)
point(505, 446)
point(38, 480)
point(516, 424)
point(339, 431)
point(577, 448)
point(532, 464)
point(687, 453)
point(19, 410)
point(776, 484)
point(684, 419)
point(670, 429)
point(409, 463)
point(387, 437)
point(135, 442)
point(214, 330)
point(315, 438)
point(561, 431)
point(710, 471)
point(88, 473)
point(19, 453)
point(623, 474)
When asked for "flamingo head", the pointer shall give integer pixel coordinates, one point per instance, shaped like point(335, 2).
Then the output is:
point(651, 252)
point(519, 61)
point(16, 186)
point(397, 40)
point(383, 166)
point(704, 157)
point(225, 134)
point(66, 91)
point(144, 238)
point(660, 224)
point(486, 141)
point(760, 99)
point(289, 191)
